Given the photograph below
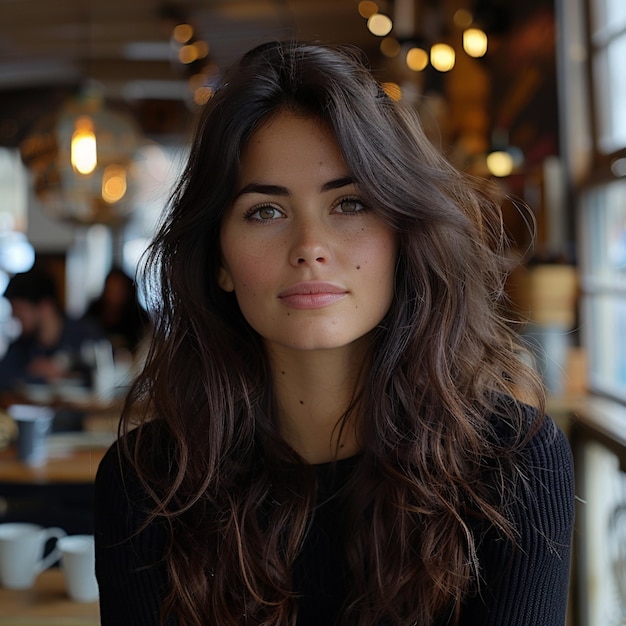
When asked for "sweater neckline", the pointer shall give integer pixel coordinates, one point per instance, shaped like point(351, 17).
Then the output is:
point(347, 462)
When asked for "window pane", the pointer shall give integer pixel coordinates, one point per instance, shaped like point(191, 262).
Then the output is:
point(610, 95)
point(603, 264)
point(13, 190)
point(608, 17)
point(605, 328)
point(603, 221)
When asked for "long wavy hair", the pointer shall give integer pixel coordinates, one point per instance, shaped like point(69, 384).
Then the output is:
point(443, 386)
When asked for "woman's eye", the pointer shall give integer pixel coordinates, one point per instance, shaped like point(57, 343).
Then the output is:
point(264, 213)
point(349, 206)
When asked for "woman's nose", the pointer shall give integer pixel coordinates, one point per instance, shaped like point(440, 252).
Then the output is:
point(309, 244)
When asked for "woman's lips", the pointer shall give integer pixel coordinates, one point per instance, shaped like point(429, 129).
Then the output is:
point(312, 295)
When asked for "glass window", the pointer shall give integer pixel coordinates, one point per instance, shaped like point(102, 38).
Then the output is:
point(608, 40)
point(13, 190)
point(603, 265)
point(607, 343)
point(608, 17)
point(603, 236)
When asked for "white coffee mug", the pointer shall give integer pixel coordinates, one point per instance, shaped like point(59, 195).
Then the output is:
point(78, 560)
point(22, 553)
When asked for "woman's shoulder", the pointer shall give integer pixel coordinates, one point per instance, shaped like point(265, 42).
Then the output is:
point(548, 451)
point(547, 463)
point(547, 439)
point(516, 424)
point(147, 442)
point(543, 468)
point(538, 500)
point(535, 450)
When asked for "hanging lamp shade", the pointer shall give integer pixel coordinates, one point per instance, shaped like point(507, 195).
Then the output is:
point(82, 160)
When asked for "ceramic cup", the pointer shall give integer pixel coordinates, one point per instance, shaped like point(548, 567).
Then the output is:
point(79, 566)
point(22, 553)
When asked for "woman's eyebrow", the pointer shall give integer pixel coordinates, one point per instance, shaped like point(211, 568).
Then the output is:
point(279, 190)
point(338, 183)
point(267, 190)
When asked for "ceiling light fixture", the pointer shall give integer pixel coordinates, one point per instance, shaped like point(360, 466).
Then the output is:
point(442, 57)
point(475, 42)
point(81, 159)
point(503, 159)
point(367, 8)
point(379, 24)
point(83, 148)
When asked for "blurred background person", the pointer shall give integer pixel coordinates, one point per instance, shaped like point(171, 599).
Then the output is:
point(118, 313)
point(49, 346)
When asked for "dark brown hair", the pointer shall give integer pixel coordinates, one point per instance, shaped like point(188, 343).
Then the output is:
point(441, 391)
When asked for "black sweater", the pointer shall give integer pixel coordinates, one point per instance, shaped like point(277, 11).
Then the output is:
point(528, 588)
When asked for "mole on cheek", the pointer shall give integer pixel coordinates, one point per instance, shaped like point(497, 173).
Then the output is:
point(358, 267)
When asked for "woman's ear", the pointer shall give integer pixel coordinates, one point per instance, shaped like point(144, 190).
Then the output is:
point(224, 279)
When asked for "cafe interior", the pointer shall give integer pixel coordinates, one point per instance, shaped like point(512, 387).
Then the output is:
point(98, 100)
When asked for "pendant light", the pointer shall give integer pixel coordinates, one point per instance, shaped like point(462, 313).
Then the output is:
point(81, 159)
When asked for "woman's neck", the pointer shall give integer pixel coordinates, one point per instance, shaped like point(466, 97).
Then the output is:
point(314, 389)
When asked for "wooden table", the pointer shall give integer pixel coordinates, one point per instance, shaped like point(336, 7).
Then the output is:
point(47, 604)
point(61, 491)
point(72, 457)
point(72, 464)
point(93, 414)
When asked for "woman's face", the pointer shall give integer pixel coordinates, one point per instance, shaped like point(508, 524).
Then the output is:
point(312, 267)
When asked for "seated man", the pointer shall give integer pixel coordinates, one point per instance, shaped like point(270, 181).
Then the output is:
point(49, 347)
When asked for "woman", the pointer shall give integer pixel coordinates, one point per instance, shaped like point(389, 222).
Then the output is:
point(118, 313)
point(330, 428)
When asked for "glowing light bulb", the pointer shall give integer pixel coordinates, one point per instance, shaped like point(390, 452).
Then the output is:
point(202, 49)
point(83, 151)
point(367, 8)
point(462, 18)
point(379, 24)
point(500, 163)
point(417, 59)
point(188, 54)
point(183, 33)
point(113, 183)
point(442, 57)
point(390, 47)
point(475, 42)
